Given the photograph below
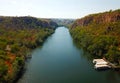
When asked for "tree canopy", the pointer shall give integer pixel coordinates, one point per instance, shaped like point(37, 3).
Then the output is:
point(99, 34)
point(19, 35)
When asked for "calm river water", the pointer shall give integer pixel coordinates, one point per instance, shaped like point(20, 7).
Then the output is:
point(60, 61)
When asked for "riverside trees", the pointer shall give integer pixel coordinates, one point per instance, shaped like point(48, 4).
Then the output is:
point(19, 35)
point(99, 34)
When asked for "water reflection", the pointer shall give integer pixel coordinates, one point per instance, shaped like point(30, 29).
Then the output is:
point(59, 61)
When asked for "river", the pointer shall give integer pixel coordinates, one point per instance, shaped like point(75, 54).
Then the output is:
point(60, 61)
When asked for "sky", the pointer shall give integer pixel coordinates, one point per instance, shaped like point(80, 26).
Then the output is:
point(56, 8)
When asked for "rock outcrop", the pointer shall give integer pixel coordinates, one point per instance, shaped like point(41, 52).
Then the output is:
point(106, 17)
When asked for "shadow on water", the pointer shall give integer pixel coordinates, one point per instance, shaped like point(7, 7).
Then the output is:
point(84, 53)
point(112, 76)
point(62, 61)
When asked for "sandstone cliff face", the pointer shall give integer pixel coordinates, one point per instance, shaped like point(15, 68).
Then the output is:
point(99, 34)
point(106, 17)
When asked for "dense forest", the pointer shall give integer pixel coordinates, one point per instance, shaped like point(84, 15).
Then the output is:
point(19, 35)
point(99, 34)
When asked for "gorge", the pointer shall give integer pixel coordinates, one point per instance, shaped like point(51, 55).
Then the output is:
point(62, 49)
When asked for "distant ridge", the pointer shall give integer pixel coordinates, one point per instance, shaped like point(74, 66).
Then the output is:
point(26, 22)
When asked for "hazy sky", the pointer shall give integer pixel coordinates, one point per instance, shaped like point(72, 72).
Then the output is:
point(56, 8)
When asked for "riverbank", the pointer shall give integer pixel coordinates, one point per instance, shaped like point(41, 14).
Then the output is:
point(113, 66)
point(22, 70)
point(98, 35)
point(60, 61)
point(20, 35)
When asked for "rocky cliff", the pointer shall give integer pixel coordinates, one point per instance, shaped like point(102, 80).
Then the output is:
point(99, 34)
point(106, 17)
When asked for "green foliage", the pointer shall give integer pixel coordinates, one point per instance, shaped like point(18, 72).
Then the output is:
point(3, 71)
point(18, 36)
point(2, 45)
point(99, 35)
point(113, 54)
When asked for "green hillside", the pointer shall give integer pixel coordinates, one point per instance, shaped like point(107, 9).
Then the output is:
point(99, 34)
point(18, 36)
